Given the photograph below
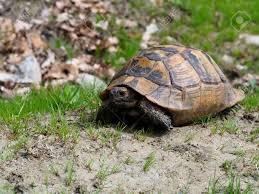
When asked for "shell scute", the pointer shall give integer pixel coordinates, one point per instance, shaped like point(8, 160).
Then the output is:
point(193, 59)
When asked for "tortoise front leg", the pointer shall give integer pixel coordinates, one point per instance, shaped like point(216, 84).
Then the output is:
point(155, 116)
point(106, 115)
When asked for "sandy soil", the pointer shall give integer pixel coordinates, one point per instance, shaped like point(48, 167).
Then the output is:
point(186, 158)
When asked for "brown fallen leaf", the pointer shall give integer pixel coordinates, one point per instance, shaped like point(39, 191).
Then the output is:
point(103, 71)
point(37, 41)
point(6, 93)
point(14, 59)
point(67, 28)
point(61, 5)
point(62, 71)
point(6, 25)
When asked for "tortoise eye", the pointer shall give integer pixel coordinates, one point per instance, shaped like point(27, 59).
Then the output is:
point(118, 92)
point(122, 93)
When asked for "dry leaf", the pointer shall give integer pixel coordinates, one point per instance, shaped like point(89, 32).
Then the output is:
point(62, 71)
point(37, 41)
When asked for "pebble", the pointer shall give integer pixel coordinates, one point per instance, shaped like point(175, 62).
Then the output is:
point(228, 60)
point(250, 39)
point(30, 71)
point(88, 80)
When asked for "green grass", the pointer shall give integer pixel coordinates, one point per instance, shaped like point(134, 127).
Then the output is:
point(231, 186)
point(255, 160)
point(104, 172)
point(227, 166)
point(60, 43)
point(58, 125)
point(70, 175)
point(89, 164)
point(240, 153)
point(52, 100)
point(105, 136)
point(7, 188)
point(11, 149)
point(46, 178)
point(129, 160)
point(150, 160)
point(54, 170)
point(205, 120)
point(189, 137)
point(229, 125)
point(205, 21)
point(44, 112)
point(116, 168)
point(253, 135)
point(141, 135)
point(251, 102)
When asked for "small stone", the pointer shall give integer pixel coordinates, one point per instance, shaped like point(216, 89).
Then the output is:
point(102, 24)
point(50, 60)
point(37, 41)
point(88, 80)
point(250, 39)
point(62, 17)
point(251, 78)
point(83, 67)
point(13, 59)
point(241, 67)
point(7, 77)
point(129, 23)
point(22, 91)
point(6, 93)
point(150, 29)
point(113, 40)
point(21, 25)
point(228, 60)
point(30, 70)
point(66, 71)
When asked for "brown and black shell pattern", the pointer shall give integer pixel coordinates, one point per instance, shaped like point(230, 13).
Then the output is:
point(184, 81)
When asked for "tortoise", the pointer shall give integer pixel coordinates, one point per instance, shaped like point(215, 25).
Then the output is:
point(166, 86)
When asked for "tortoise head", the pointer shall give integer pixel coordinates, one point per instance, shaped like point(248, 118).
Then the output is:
point(123, 97)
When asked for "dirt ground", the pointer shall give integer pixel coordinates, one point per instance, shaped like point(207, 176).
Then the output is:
point(184, 160)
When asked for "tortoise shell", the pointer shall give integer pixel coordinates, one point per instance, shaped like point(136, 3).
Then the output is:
point(185, 81)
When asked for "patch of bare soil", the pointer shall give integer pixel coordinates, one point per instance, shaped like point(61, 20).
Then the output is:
point(185, 160)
